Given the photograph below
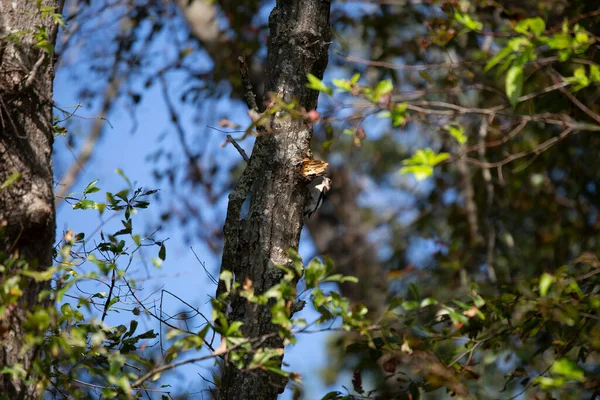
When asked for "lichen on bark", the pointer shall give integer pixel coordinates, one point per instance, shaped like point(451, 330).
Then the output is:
point(299, 43)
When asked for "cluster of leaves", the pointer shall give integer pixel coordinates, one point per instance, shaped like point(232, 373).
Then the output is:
point(283, 302)
point(40, 33)
point(531, 44)
point(73, 345)
point(542, 334)
point(79, 353)
point(76, 350)
point(421, 164)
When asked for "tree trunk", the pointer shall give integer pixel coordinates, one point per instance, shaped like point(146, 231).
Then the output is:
point(298, 46)
point(27, 217)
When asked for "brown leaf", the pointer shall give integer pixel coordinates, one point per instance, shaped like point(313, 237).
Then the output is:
point(225, 123)
point(222, 347)
point(471, 312)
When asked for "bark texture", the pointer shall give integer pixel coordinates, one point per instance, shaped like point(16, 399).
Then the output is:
point(298, 45)
point(27, 216)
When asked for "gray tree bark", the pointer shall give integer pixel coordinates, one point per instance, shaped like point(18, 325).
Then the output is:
point(27, 216)
point(298, 45)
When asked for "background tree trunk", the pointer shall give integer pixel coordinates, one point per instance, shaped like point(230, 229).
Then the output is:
point(298, 45)
point(27, 216)
point(341, 233)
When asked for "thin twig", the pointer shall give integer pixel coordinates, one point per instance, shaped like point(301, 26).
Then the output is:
point(498, 142)
point(537, 150)
point(110, 292)
point(168, 367)
point(423, 67)
point(579, 104)
point(34, 71)
point(210, 276)
point(235, 144)
point(248, 90)
point(111, 92)
point(176, 120)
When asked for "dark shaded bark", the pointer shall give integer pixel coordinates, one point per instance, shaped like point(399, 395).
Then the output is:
point(27, 216)
point(298, 45)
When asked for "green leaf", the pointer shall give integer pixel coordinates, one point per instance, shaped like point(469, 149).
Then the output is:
point(467, 21)
point(546, 280)
point(342, 84)
point(16, 371)
point(546, 382)
point(560, 41)
point(234, 328)
point(579, 80)
point(534, 25)
point(397, 114)
point(120, 172)
point(455, 316)
point(514, 84)
point(317, 84)
point(334, 278)
point(133, 324)
point(384, 87)
point(12, 178)
point(428, 302)
point(422, 162)
point(162, 253)
point(84, 205)
point(457, 132)
point(227, 278)
point(40, 276)
point(91, 187)
point(420, 172)
point(595, 73)
point(506, 51)
point(567, 368)
point(410, 305)
point(581, 38)
point(426, 157)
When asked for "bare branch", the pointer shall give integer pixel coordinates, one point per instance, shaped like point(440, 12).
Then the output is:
point(235, 144)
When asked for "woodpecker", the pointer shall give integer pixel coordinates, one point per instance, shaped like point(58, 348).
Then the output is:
point(317, 190)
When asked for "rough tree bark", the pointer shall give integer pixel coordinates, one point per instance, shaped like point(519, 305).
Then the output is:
point(298, 45)
point(27, 216)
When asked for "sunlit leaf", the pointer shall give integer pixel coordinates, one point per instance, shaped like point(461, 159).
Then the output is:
point(567, 368)
point(546, 281)
point(317, 84)
point(514, 84)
